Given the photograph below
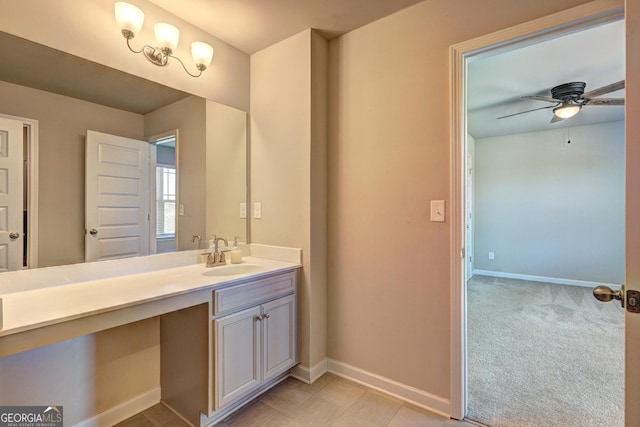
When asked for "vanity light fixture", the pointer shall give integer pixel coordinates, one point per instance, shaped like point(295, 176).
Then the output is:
point(130, 19)
point(567, 109)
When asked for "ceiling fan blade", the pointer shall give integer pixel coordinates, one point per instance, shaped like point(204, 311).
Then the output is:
point(605, 101)
point(604, 89)
point(523, 112)
point(556, 119)
point(542, 98)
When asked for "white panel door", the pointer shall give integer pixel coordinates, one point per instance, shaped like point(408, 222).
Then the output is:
point(11, 195)
point(117, 197)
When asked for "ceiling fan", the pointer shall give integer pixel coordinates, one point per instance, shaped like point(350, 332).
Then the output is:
point(569, 98)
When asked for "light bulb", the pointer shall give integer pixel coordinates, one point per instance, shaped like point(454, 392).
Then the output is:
point(167, 36)
point(202, 54)
point(129, 17)
point(567, 110)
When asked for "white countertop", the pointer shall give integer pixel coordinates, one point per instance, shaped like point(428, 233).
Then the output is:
point(47, 305)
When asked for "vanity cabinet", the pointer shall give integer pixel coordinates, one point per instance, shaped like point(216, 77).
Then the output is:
point(217, 356)
point(253, 346)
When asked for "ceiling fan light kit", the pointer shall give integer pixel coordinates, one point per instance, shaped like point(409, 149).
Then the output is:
point(569, 98)
point(567, 110)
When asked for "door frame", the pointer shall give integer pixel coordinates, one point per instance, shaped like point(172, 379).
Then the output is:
point(549, 27)
point(32, 198)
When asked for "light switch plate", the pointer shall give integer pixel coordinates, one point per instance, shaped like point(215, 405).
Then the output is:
point(243, 210)
point(437, 211)
point(181, 209)
point(257, 210)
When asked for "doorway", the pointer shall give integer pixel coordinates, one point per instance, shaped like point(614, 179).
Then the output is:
point(166, 199)
point(534, 32)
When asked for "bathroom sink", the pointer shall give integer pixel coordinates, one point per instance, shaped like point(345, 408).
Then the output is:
point(233, 270)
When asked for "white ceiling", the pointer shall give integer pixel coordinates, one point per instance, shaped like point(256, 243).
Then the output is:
point(252, 25)
point(495, 84)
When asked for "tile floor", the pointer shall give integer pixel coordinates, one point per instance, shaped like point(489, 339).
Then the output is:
point(330, 401)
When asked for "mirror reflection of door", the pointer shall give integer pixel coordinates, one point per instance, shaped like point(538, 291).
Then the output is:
point(166, 196)
point(12, 254)
point(117, 201)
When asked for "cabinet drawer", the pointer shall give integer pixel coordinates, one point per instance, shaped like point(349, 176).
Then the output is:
point(253, 293)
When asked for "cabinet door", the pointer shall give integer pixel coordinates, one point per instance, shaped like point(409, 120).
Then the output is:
point(237, 343)
point(279, 323)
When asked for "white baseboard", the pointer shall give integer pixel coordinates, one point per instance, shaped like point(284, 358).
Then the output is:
point(430, 402)
point(123, 411)
point(555, 280)
point(309, 375)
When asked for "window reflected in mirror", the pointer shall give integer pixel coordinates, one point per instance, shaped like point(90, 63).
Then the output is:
point(166, 193)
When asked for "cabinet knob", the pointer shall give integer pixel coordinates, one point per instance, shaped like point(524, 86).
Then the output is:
point(259, 318)
point(266, 316)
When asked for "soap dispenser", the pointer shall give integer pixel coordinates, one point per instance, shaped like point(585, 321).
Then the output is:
point(236, 252)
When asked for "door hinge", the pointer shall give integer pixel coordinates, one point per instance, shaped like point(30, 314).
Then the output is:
point(462, 253)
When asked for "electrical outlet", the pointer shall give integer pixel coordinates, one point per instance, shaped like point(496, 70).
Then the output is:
point(243, 210)
point(180, 209)
point(257, 210)
point(492, 255)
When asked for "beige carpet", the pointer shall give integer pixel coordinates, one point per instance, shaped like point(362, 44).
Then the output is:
point(543, 355)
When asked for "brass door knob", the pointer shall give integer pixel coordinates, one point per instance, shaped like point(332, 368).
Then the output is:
point(606, 294)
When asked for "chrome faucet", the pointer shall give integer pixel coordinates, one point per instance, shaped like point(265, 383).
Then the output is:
point(217, 257)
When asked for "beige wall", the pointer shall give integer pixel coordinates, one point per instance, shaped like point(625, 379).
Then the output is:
point(63, 123)
point(226, 163)
point(287, 174)
point(86, 375)
point(389, 148)
point(88, 29)
point(632, 122)
point(188, 116)
point(317, 252)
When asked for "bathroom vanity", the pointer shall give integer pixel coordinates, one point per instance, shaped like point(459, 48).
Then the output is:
point(227, 333)
point(247, 335)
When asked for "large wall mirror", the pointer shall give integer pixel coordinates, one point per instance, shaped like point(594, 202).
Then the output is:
point(204, 178)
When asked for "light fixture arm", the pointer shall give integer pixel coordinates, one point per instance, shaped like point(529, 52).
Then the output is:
point(160, 56)
point(200, 67)
point(129, 45)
